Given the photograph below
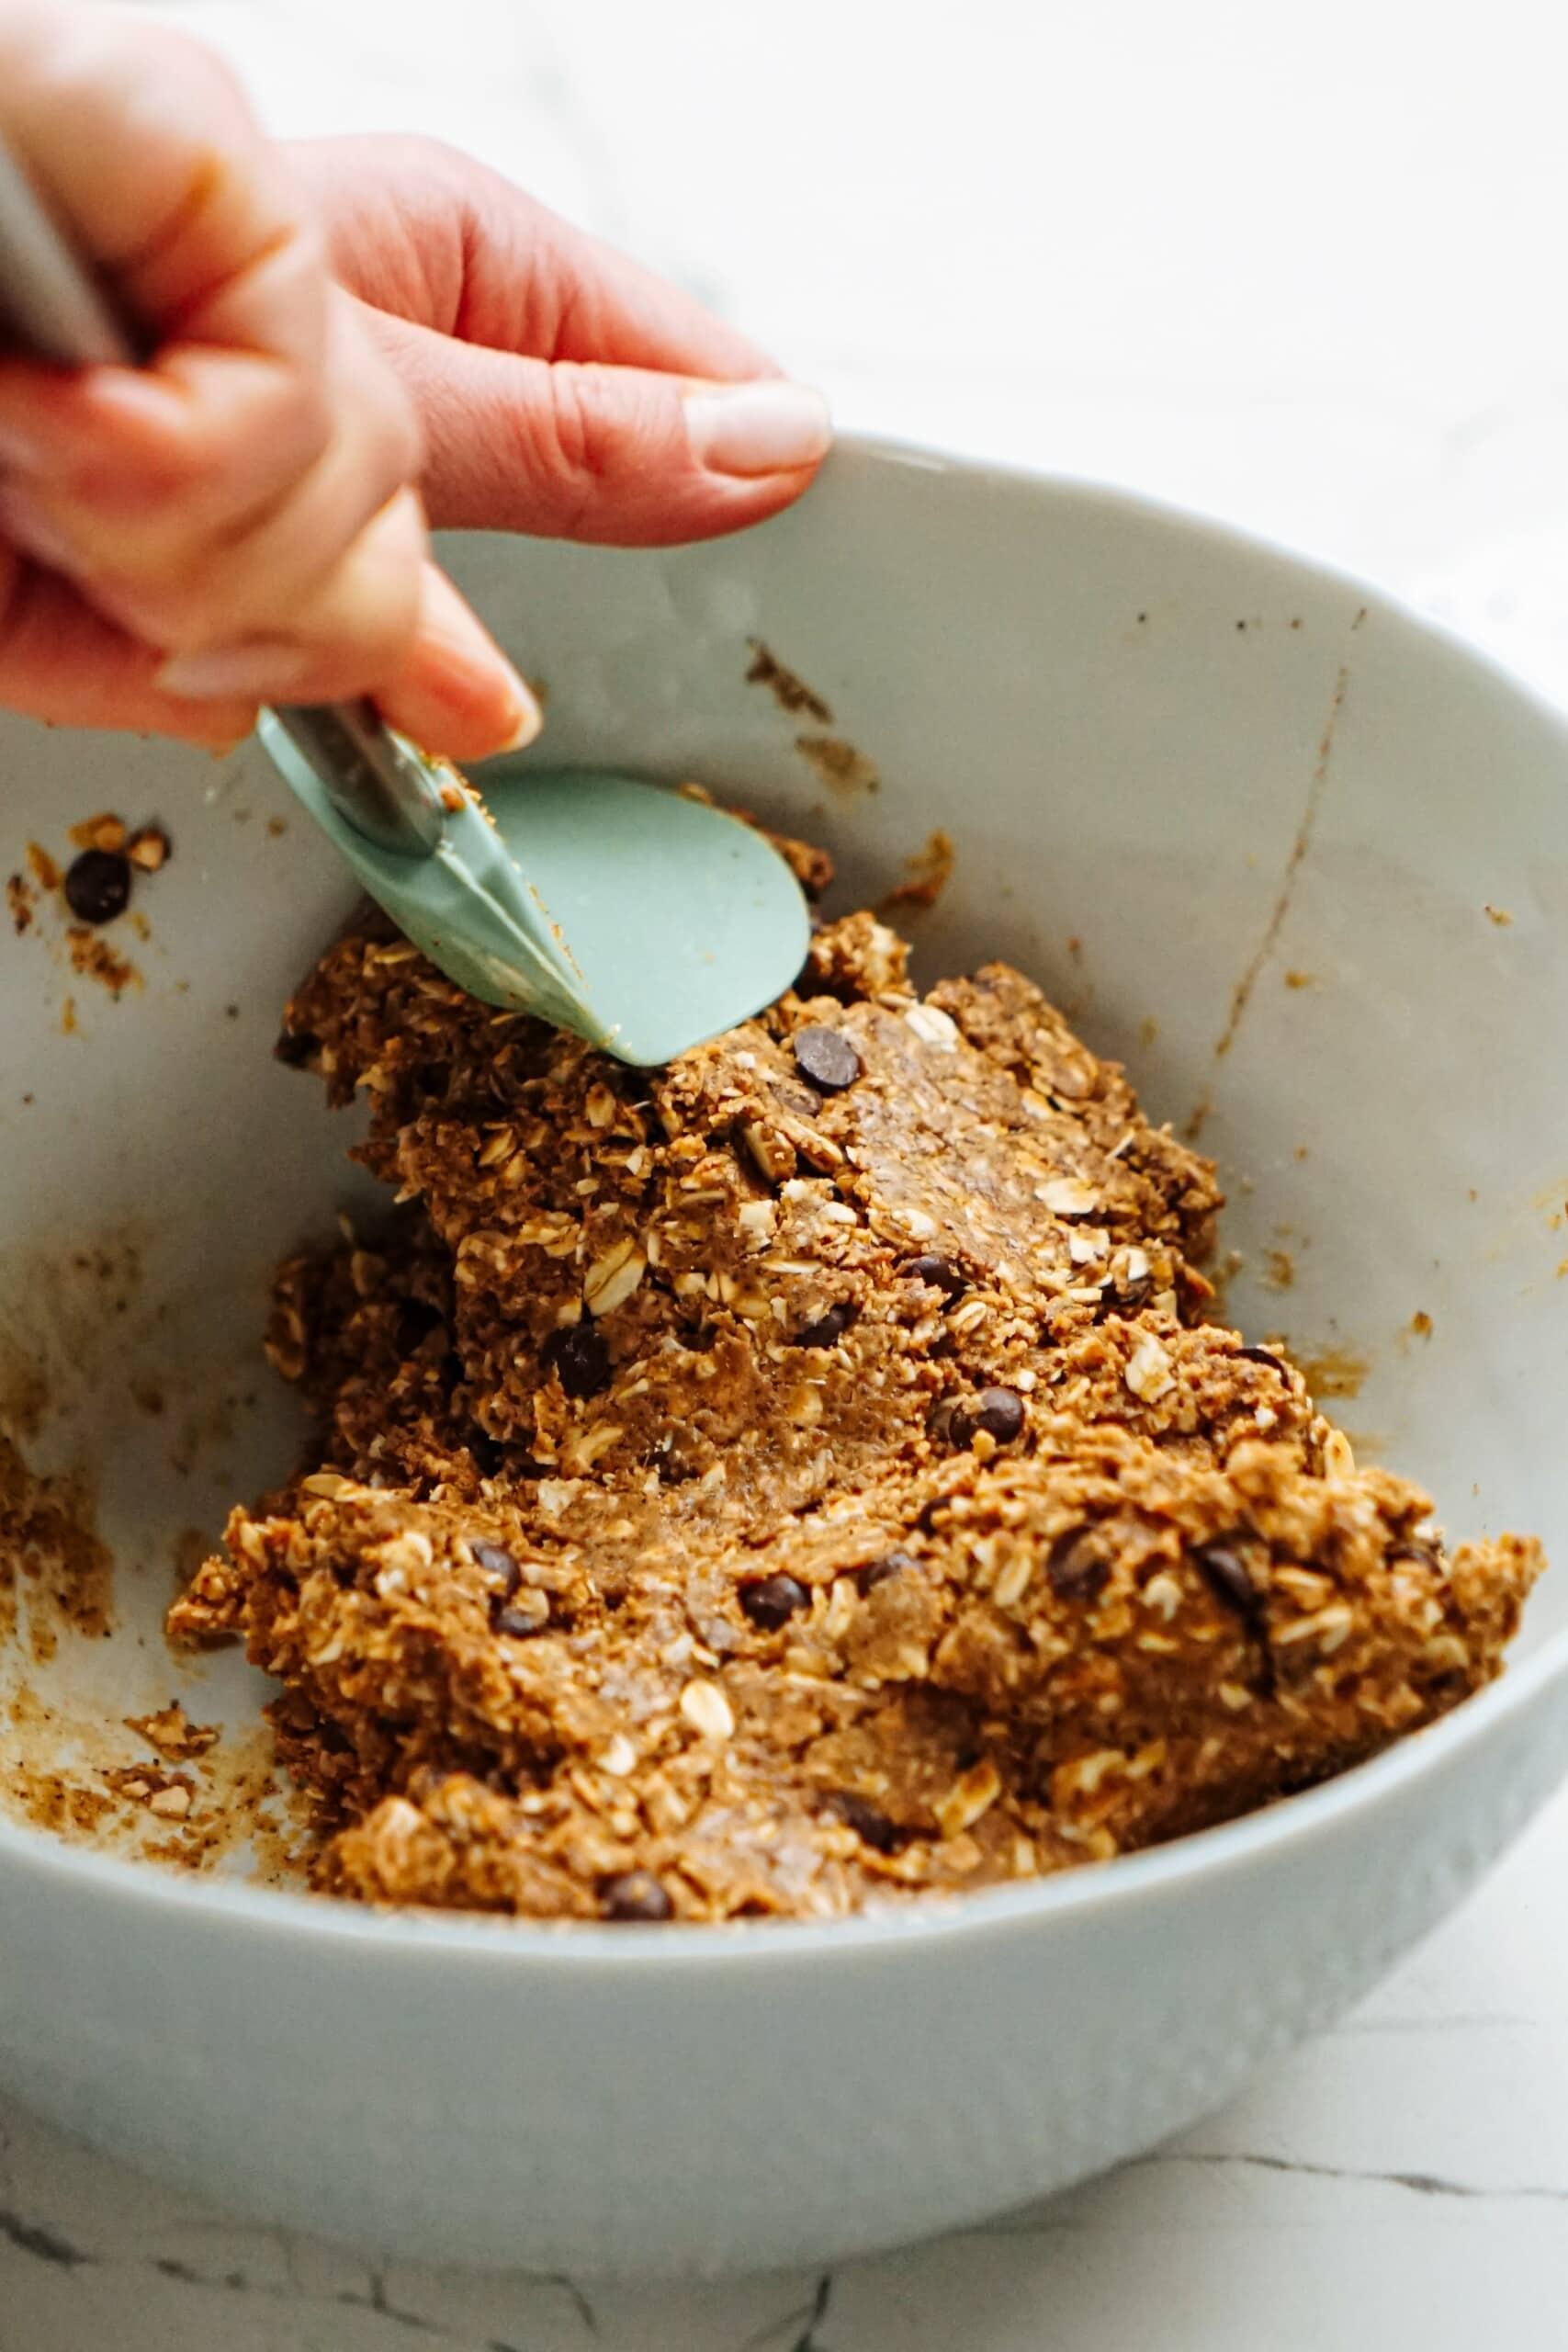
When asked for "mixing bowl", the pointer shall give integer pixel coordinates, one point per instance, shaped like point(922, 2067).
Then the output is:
point(1298, 859)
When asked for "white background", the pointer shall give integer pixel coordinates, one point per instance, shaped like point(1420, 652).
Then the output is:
point(1301, 267)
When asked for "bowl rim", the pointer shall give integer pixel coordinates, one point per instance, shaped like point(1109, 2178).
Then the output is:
point(486, 1938)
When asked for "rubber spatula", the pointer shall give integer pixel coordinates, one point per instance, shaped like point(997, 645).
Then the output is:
point(635, 916)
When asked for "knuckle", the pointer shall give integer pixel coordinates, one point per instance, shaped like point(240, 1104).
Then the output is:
point(182, 54)
point(564, 449)
point(591, 441)
point(186, 65)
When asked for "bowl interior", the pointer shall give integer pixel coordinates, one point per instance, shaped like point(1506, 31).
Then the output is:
point(1301, 863)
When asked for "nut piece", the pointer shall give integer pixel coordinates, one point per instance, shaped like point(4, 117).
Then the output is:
point(1066, 1196)
point(404, 1554)
point(804, 1405)
point(148, 849)
point(1148, 1374)
point(969, 1797)
point(932, 1026)
point(106, 833)
point(1339, 1455)
point(1013, 1581)
point(707, 1709)
point(611, 1279)
point(1163, 1595)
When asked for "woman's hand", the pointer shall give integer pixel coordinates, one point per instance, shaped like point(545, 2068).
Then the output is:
point(562, 390)
point(241, 521)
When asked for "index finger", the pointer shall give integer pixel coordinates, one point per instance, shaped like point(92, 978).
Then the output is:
point(150, 157)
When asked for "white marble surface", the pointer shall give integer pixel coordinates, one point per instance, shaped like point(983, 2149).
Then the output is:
point(1303, 269)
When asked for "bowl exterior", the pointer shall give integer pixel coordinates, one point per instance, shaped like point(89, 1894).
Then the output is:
point(747, 2104)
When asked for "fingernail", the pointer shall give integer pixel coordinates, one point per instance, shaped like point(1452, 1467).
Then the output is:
point(530, 719)
point(750, 429)
point(472, 667)
point(260, 669)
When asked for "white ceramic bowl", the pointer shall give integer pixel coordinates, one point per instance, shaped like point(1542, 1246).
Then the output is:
point(1177, 767)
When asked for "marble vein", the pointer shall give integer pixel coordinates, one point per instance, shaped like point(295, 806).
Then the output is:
point(43, 2245)
point(46, 2245)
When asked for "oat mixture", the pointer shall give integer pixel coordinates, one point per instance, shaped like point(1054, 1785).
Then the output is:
point(801, 1478)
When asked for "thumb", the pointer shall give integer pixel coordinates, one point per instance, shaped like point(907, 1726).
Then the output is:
point(627, 456)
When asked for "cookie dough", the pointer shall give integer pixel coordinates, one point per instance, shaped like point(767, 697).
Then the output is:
point(802, 1478)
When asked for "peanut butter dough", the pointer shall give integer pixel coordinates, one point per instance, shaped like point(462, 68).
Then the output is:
point(800, 1478)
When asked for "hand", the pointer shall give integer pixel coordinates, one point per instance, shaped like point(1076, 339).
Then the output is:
point(239, 521)
point(561, 389)
point(235, 522)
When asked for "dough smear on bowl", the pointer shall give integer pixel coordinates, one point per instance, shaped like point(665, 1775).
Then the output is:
point(800, 1478)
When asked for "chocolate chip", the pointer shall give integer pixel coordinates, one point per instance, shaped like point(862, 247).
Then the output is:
point(827, 1330)
point(150, 848)
point(497, 1565)
point(416, 1320)
point(826, 1057)
point(1075, 1568)
point(1262, 1355)
point(874, 1827)
point(518, 1622)
point(938, 1273)
point(634, 1895)
point(488, 1459)
point(772, 1601)
point(999, 1412)
point(1429, 1555)
point(1124, 1298)
point(1227, 1575)
point(946, 1423)
point(579, 1360)
point(97, 884)
point(892, 1564)
point(295, 1047)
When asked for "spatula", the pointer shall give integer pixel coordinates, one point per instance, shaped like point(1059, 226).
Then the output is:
point(635, 916)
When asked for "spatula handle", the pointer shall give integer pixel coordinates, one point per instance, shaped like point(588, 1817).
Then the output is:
point(53, 306)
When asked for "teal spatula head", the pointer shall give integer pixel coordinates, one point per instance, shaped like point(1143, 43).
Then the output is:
point(639, 919)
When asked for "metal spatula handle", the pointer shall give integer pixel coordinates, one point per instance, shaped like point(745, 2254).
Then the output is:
point(51, 305)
